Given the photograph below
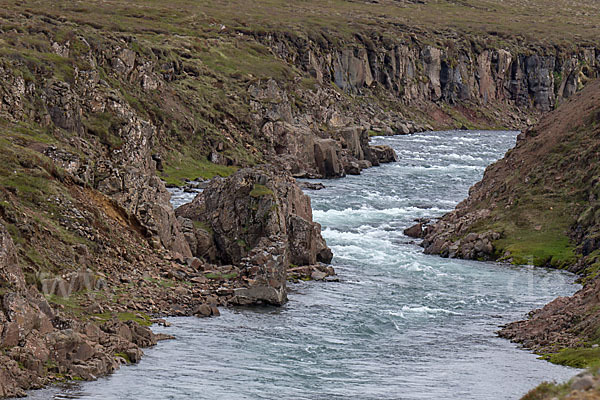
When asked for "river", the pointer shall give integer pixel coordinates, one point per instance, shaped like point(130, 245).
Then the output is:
point(398, 325)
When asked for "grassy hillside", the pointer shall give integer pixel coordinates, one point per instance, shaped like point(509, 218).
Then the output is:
point(541, 199)
point(208, 54)
point(537, 21)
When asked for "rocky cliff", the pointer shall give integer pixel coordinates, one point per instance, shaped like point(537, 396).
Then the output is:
point(538, 204)
point(416, 70)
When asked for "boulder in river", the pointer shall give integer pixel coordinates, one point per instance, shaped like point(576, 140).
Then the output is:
point(415, 231)
point(261, 220)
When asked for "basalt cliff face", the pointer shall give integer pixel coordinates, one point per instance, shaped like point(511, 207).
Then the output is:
point(102, 104)
point(416, 71)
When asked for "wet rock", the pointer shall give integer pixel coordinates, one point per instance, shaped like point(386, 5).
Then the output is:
point(383, 154)
point(415, 231)
point(311, 185)
point(352, 168)
point(318, 275)
point(310, 272)
point(134, 354)
point(203, 311)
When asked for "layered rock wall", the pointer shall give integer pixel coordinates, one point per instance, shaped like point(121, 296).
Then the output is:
point(454, 71)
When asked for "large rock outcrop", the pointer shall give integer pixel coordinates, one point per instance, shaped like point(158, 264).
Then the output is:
point(302, 149)
point(419, 71)
point(258, 218)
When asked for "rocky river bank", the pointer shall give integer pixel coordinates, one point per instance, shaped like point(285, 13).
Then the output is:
point(539, 205)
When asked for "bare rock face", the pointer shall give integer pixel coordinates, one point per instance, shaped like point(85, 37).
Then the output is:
point(327, 160)
point(199, 239)
point(253, 204)
point(266, 271)
point(415, 231)
point(261, 220)
point(450, 237)
point(298, 145)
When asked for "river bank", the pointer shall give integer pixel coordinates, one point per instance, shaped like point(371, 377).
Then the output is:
point(398, 320)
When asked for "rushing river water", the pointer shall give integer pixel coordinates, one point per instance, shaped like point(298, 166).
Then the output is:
point(398, 325)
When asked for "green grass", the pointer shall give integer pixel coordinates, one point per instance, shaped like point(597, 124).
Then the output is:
point(220, 276)
point(123, 356)
point(548, 390)
point(140, 318)
point(593, 268)
point(534, 231)
point(583, 357)
point(164, 283)
point(259, 190)
point(104, 125)
point(73, 306)
point(252, 59)
point(551, 248)
point(187, 168)
point(204, 226)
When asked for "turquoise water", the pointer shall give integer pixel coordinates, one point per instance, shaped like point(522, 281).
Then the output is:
point(398, 325)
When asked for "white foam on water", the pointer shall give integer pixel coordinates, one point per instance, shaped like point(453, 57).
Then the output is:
point(416, 266)
point(463, 157)
point(427, 310)
point(443, 168)
point(366, 211)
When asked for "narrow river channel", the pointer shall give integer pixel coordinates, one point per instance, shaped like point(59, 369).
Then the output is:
point(398, 325)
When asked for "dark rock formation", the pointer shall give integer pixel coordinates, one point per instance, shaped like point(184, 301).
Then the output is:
point(259, 219)
point(423, 72)
point(415, 231)
point(382, 154)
